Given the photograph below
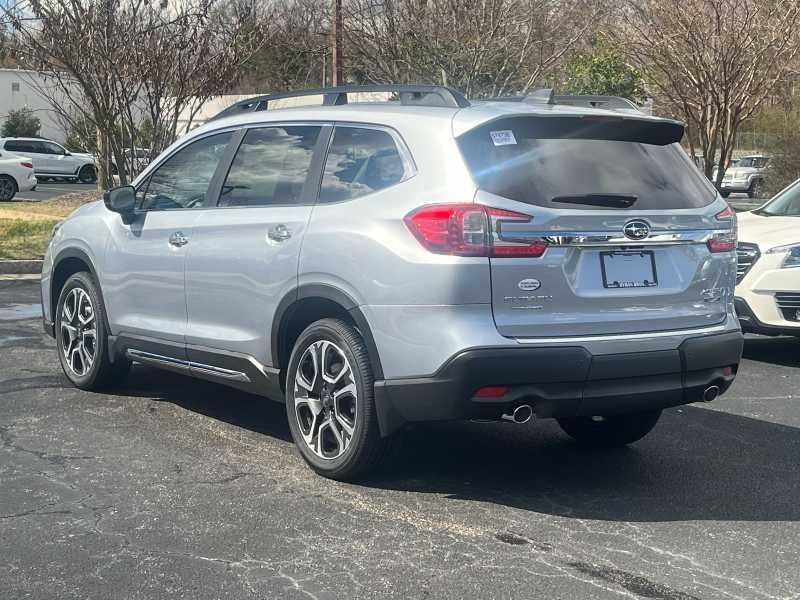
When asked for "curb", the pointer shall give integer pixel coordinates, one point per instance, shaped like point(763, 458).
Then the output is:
point(20, 267)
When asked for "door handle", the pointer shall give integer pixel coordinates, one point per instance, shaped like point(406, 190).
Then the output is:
point(279, 233)
point(177, 239)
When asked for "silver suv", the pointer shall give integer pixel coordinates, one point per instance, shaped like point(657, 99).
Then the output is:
point(425, 258)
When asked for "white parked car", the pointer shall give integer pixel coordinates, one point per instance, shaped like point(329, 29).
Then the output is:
point(16, 175)
point(768, 273)
point(51, 159)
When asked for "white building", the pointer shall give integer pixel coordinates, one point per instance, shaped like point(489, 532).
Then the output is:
point(20, 89)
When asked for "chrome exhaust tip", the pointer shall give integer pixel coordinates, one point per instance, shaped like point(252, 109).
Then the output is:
point(711, 393)
point(522, 414)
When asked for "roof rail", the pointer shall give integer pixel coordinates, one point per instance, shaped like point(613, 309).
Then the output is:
point(419, 95)
point(546, 96)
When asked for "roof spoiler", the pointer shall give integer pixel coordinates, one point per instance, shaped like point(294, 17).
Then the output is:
point(415, 95)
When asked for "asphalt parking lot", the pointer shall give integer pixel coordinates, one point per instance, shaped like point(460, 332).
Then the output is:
point(170, 487)
point(47, 190)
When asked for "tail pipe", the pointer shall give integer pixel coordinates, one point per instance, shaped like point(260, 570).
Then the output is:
point(521, 414)
point(711, 393)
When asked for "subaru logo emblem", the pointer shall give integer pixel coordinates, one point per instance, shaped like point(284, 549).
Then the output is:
point(636, 229)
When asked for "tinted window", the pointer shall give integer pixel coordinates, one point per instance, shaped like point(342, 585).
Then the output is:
point(559, 162)
point(360, 161)
point(20, 146)
point(49, 148)
point(270, 167)
point(182, 180)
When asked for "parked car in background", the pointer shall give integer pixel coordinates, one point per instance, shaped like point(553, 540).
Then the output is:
point(51, 160)
point(745, 175)
point(16, 175)
point(768, 274)
point(136, 160)
point(375, 265)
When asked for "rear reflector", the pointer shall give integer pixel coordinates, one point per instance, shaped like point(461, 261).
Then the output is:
point(470, 230)
point(491, 391)
point(27, 165)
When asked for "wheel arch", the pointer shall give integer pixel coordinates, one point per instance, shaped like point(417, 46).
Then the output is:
point(66, 263)
point(308, 303)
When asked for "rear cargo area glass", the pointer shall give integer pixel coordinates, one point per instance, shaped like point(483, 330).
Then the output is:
point(538, 159)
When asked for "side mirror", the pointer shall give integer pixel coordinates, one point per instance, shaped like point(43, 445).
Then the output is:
point(121, 200)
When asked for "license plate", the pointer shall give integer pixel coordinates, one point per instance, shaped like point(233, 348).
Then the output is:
point(632, 269)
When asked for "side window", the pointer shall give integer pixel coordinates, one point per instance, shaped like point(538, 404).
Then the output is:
point(21, 146)
point(51, 148)
point(182, 180)
point(270, 167)
point(360, 161)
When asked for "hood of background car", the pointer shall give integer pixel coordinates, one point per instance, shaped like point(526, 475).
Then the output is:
point(768, 232)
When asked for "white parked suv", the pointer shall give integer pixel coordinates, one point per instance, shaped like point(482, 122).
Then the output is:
point(768, 274)
point(51, 159)
point(16, 175)
point(745, 175)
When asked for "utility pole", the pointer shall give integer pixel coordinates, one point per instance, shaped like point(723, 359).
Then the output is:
point(336, 42)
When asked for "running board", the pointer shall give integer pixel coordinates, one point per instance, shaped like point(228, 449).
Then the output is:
point(186, 366)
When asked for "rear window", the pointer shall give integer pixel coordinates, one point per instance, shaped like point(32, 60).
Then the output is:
point(573, 162)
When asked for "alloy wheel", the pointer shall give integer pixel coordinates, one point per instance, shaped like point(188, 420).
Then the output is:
point(325, 399)
point(78, 332)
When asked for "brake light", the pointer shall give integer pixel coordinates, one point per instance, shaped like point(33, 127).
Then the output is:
point(470, 230)
point(26, 164)
point(722, 242)
point(725, 215)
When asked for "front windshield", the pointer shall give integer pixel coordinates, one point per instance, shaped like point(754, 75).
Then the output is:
point(785, 204)
point(756, 162)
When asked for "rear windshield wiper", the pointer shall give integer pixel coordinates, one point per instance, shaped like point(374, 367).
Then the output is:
point(604, 200)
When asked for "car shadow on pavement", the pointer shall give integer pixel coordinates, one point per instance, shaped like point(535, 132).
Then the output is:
point(220, 402)
point(783, 351)
point(698, 464)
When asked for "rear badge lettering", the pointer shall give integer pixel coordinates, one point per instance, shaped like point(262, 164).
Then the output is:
point(529, 285)
point(526, 302)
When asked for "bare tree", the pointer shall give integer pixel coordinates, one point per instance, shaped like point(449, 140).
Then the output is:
point(483, 47)
point(715, 61)
point(112, 63)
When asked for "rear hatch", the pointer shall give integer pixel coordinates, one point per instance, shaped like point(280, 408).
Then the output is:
point(635, 239)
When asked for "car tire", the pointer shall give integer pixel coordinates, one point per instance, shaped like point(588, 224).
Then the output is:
point(330, 402)
point(85, 358)
point(87, 174)
point(8, 188)
point(611, 431)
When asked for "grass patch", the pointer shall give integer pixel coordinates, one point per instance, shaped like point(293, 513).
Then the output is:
point(24, 239)
point(25, 226)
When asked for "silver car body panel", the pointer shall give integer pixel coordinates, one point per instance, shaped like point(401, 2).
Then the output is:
point(222, 289)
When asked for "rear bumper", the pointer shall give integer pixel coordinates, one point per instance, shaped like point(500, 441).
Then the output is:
point(561, 381)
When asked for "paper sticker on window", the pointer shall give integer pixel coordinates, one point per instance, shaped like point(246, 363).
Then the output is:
point(503, 138)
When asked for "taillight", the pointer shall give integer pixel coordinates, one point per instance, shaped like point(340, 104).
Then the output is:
point(722, 242)
point(26, 164)
point(725, 214)
point(470, 230)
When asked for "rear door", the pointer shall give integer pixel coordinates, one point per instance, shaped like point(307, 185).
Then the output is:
point(245, 249)
point(31, 149)
point(626, 219)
